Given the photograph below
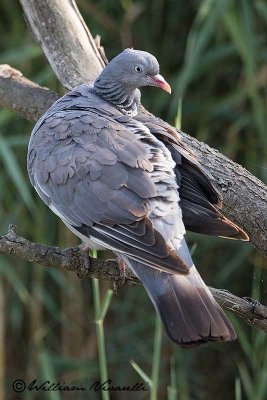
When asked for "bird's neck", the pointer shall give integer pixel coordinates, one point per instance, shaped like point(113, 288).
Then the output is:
point(126, 99)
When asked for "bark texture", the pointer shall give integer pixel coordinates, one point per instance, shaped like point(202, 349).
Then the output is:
point(22, 95)
point(65, 39)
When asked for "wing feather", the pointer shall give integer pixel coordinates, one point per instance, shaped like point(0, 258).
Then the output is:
point(200, 200)
point(94, 174)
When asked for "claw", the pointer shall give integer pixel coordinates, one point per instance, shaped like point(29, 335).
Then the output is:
point(84, 248)
point(122, 268)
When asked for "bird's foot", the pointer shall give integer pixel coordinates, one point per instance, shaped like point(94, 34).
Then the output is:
point(122, 268)
point(84, 248)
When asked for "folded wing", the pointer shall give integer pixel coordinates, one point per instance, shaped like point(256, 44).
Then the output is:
point(200, 200)
point(94, 173)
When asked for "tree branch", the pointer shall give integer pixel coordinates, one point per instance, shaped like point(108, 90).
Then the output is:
point(58, 24)
point(72, 259)
point(23, 96)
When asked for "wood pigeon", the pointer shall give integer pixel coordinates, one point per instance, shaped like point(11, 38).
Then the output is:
point(122, 179)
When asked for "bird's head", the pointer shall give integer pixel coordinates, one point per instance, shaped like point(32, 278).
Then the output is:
point(133, 69)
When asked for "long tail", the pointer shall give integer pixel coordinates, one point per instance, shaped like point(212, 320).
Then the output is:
point(186, 306)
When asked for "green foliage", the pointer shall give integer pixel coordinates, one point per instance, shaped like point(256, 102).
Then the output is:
point(214, 54)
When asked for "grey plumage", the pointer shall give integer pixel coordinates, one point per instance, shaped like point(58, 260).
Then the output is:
point(113, 176)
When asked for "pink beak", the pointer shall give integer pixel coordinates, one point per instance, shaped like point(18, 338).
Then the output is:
point(160, 82)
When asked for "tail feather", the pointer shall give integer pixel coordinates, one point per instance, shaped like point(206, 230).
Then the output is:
point(186, 306)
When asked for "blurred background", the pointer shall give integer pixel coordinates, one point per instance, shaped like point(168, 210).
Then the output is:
point(214, 54)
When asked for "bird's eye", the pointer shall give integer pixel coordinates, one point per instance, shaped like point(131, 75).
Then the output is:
point(138, 68)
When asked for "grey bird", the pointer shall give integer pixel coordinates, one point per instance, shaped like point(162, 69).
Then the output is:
point(121, 179)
